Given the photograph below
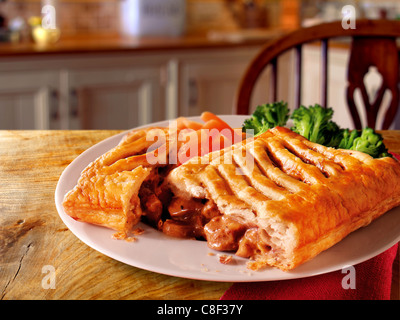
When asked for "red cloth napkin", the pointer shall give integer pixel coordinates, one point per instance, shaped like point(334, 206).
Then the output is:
point(397, 156)
point(372, 282)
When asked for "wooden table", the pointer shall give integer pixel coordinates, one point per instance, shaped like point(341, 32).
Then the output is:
point(33, 239)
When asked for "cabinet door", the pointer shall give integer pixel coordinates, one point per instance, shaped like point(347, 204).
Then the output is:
point(208, 85)
point(28, 100)
point(210, 81)
point(113, 98)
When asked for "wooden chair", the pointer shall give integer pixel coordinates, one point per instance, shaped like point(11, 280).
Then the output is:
point(373, 44)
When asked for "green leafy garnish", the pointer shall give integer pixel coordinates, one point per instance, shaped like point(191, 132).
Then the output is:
point(266, 117)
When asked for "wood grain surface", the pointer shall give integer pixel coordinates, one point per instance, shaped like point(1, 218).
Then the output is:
point(33, 238)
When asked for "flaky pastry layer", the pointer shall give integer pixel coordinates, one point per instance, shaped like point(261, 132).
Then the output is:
point(107, 191)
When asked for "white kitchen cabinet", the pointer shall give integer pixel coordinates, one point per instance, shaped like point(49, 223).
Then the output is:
point(81, 92)
point(120, 91)
point(113, 98)
point(210, 82)
point(28, 100)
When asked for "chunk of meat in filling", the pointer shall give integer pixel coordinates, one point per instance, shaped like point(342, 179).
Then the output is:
point(188, 217)
point(151, 206)
point(224, 232)
point(153, 195)
point(184, 220)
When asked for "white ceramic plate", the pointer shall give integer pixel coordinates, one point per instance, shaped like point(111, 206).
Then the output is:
point(192, 259)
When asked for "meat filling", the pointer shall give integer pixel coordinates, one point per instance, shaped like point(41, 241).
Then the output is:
point(188, 217)
point(198, 219)
point(223, 233)
point(174, 216)
point(151, 206)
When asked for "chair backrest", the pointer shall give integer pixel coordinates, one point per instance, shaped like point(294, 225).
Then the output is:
point(373, 44)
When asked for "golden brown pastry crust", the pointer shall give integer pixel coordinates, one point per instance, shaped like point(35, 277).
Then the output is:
point(303, 197)
point(107, 191)
point(108, 200)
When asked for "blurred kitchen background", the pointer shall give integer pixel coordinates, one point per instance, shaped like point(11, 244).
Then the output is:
point(117, 64)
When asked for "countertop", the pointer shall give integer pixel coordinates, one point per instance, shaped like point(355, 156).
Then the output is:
point(106, 43)
point(33, 237)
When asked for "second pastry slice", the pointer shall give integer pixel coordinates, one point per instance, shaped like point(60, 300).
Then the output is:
point(283, 199)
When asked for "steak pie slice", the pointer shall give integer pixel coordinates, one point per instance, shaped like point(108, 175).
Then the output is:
point(107, 192)
point(284, 199)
